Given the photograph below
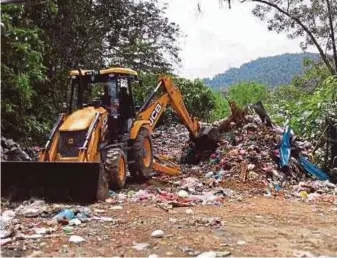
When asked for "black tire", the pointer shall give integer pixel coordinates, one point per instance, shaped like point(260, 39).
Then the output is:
point(115, 168)
point(138, 167)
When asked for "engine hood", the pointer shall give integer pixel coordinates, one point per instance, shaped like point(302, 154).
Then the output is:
point(80, 119)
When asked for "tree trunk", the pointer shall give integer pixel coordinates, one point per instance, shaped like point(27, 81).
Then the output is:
point(298, 21)
point(332, 35)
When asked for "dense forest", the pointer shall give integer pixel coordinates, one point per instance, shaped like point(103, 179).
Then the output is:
point(272, 71)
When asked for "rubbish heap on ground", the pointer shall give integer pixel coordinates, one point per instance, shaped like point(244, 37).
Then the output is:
point(12, 151)
point(253, 155)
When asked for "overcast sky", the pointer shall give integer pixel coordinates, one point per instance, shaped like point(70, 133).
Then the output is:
point(218, 38)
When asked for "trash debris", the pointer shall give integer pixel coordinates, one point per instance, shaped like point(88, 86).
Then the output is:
point(76, 239)
point(5, 241)
point(116, 207)
point(40, 231)
point(183, 194)
point(7, 215)
point(223, 254)
point(210, 254)
point(241, 242)
point(189, 211)
point(64, 216)
point(68, 230)
point(107, 219)
point(157, 233)
point(312, 169)
point(74, 222)
point(140, 246)
point(5, 233)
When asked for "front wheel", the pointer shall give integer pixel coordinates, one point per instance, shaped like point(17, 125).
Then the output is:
point(141, 155)
point(115, 166)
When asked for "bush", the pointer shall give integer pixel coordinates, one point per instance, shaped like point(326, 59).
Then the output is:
point(245, 93)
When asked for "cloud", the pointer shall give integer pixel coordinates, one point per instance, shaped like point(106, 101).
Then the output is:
point(220, 38)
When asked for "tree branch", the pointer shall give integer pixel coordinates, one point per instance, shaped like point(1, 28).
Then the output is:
point(332, 34)
point(298, 21)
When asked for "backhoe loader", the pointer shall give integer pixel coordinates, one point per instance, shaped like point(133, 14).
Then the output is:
point(98, 138)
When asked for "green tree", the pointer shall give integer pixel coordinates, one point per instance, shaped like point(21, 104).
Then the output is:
point(245, 93)
point(21, 68)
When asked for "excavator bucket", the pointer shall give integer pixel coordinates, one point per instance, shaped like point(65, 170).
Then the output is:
point(199, 148)
point(76, 182)
point(207, 139)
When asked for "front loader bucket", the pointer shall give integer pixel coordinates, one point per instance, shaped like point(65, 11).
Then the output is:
point(79, 182)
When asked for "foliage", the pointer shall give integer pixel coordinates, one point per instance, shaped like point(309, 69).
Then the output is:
point(221, 109)
point(306, 111)
point(21, 67)
point(272, 71)
point(246, 93)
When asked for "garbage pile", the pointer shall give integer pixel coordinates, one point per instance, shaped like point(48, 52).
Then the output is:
point(260, 156)
point(12, 151)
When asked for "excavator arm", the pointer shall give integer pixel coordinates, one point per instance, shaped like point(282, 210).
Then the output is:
point(153, 108)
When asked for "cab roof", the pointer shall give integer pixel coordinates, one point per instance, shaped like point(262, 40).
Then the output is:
point(116, 70)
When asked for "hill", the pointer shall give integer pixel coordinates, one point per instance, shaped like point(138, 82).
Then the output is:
point(272, 71)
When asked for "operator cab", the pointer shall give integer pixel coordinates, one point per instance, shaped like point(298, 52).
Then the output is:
point(110, 89)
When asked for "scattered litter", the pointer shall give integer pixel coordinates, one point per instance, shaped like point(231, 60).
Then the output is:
point(157, 233)
point(116, 207)
point(40, 231)
point(7, 215)
point(103, 218)
point(223, 254)
point(5, 241)
point(189, 211)
point(241, 242)
point(74, 222)
point(76, 239)
point(183, 194)
point(140, 246)
point(64, 216)
point(68, 230)
point(210, 254)
point(5, 233)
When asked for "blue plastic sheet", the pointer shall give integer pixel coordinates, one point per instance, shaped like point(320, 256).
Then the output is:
point(312, 169)
point(285, 148)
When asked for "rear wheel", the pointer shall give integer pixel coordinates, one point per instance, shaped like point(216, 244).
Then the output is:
point(115, 166)
point(141, 155)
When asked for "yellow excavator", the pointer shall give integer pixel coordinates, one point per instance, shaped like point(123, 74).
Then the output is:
point(98, 138)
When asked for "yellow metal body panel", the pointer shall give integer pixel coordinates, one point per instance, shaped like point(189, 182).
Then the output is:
point(73, 122)
point(80, 119)
point(107, 71)
point(136, 127)
point(167, 169)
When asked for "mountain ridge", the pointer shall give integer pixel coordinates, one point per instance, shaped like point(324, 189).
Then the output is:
point(271, 70)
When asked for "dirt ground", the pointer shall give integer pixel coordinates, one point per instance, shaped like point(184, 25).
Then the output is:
point(258, 226)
